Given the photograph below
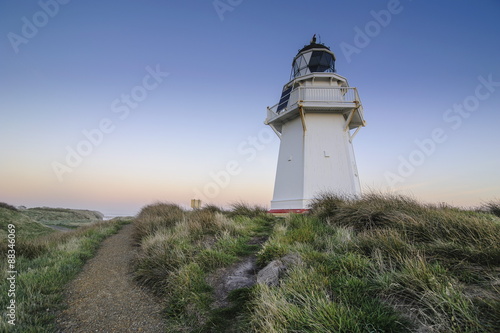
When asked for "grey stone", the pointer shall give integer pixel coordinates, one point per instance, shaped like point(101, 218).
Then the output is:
point(274, 271)
point(242, 276)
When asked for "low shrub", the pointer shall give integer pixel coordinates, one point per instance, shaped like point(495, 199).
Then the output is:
point(326, 204)
point(156, 217)
point(493, 207)
point(243, 209)
point(7, 206)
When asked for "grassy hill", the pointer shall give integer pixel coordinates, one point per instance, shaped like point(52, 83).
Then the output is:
point(45, 260)
point(26, 227)
point(63, 216)
point(378, 264)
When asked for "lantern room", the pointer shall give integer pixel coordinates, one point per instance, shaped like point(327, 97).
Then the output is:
point(313, 58)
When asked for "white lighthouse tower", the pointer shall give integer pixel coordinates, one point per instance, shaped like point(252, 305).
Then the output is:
point(316, 119)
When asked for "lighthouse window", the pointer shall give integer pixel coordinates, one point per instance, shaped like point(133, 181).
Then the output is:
point(299, 65)
point(321, 62)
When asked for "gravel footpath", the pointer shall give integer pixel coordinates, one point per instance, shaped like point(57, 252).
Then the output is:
point(104, 298)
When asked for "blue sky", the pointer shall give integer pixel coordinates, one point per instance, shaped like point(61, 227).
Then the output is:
point(172, 96)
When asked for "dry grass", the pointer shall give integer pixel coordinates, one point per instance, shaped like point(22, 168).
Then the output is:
point(156, 217)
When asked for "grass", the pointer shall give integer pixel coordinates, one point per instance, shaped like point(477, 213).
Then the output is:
point(493, 207)
point(7, 206)
point(26, 227)
point(331, 292)
point(396, 265)
point(70, 218)
point(380, 263)
point(45, 262)
point(180, 249)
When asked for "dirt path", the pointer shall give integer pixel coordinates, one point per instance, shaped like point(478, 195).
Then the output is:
point(104, 298)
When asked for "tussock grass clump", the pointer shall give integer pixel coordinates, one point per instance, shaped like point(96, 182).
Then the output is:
point(432, 297)
point(326, 204)
point(178, 249)
point(198, 235)
point(493, 207)
point(156, 217)
point(379, 263)
point(243, 209)
point(213, 208)
point(443, 230)
point(383, 263)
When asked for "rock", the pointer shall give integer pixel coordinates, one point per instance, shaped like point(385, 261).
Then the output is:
point(270, 274)
point(227, 279)
point(243, 275)
point(274, 271)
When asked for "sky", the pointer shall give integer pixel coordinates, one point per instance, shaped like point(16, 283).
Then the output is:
point(113, 105)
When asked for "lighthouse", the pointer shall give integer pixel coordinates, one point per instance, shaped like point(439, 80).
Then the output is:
point(316, 119)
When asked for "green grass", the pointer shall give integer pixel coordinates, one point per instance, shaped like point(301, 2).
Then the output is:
point(380, 263)
point(26, 230)
point(180, 249)
point(45, 262)
point(332, 291)
point(384, 264)
point(70, 218)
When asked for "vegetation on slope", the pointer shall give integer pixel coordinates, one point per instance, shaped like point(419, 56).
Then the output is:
point(45, 260)
point(384, 264)
point(27, 228)
point(63, 216)
point(378, 264)
point(493, 207)
point(180, 249)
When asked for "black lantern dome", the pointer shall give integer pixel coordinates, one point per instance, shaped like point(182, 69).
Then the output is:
point(313, 58)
